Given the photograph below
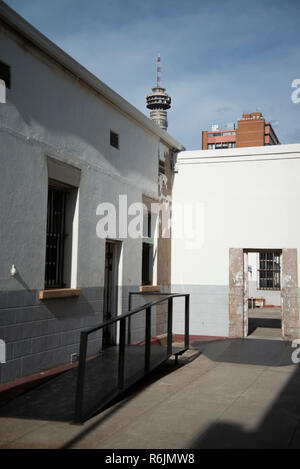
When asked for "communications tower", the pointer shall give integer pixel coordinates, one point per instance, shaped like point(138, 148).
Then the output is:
point(159, 101)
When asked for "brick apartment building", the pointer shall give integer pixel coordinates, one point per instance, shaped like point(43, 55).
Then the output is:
point(251, 131)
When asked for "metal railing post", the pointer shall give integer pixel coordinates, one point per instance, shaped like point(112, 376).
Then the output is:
point(148, 339)
point(81, 411)
point(121, 368)
point(129, 320)
point(170, 326)
point(187, 322)
point(80, 378)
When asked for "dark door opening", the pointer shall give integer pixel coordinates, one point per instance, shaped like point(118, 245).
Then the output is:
point(112, 255)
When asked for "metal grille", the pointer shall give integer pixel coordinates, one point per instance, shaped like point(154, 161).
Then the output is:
point(269, 270)
point(55, 238)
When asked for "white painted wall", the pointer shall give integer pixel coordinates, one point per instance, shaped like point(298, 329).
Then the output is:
point(50, 112)
point(250, 198)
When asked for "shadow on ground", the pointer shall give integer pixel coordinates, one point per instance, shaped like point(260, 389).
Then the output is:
point(279, 427)
point(268, 323)
point(250, 352)
point(55, 399)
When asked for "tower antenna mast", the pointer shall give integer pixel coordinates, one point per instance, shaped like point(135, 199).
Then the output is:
point(158, 80)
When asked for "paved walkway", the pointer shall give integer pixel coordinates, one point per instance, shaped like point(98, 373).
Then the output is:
point(55, 399)
point(231, 393)
point(265, 323)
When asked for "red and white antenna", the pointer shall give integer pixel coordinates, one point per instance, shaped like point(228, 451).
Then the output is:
point(158, 72)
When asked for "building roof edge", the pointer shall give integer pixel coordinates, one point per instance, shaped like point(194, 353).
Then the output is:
point(29, 32)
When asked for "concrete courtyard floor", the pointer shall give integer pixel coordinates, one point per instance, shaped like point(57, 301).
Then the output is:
point(264, 323)
point(223, 394)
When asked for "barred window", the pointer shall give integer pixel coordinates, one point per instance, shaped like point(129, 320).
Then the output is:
point(269, 270)
point(54, 271)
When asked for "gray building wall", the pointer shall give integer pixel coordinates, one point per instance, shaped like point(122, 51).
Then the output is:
point(51, 113)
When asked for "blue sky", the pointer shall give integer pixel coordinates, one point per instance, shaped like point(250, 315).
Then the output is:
point(219, 58)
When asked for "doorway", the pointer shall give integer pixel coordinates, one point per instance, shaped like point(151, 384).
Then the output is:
point(110, 297)
point(263, 294)
point(238, 306)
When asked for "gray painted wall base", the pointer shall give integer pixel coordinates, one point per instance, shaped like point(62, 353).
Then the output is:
point(40, 335)
point(208, 309)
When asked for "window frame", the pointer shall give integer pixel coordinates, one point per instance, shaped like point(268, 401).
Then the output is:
point(271, 268)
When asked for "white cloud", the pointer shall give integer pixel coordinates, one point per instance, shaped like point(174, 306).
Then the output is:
point(216, 62)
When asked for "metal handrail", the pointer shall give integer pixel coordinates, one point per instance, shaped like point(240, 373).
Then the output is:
point(122, 341)
point(133, 311)
point(145, 293)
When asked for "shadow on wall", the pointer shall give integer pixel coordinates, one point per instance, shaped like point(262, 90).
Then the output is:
point(22, 282)
point(44, 333)
point(68, 112)
point(73, 308)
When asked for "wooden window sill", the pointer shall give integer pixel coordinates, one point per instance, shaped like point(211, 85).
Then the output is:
point(149, 288)
point(59, 293)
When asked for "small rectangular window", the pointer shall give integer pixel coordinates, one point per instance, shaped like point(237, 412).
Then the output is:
point(114, 139)
point(5, 74)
